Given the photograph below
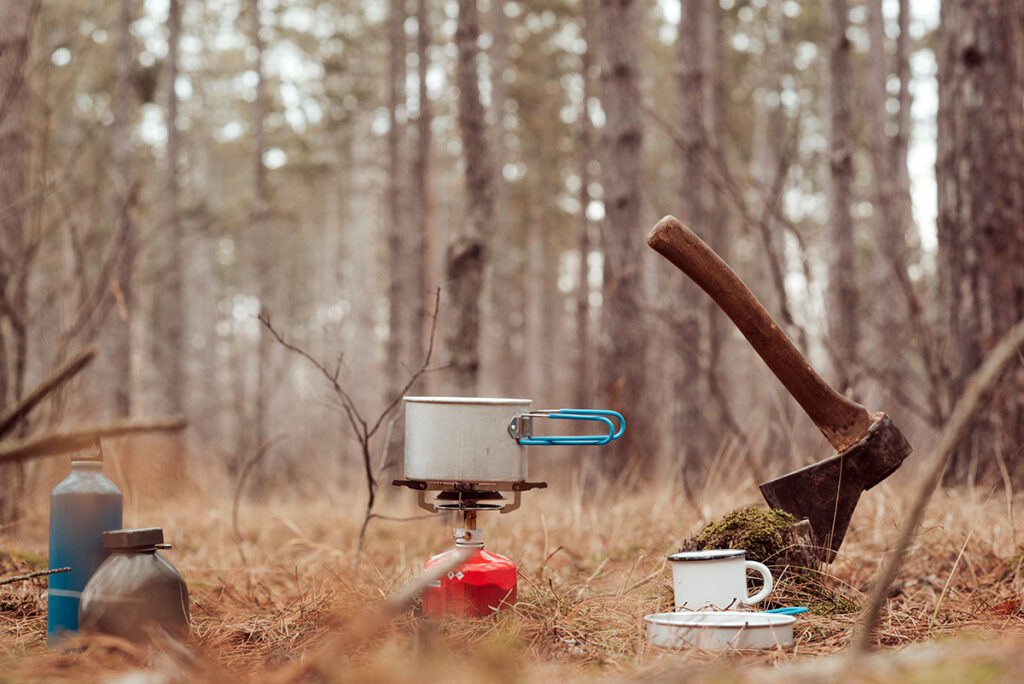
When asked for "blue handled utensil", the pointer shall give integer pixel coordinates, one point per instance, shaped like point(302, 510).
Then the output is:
point(788, 610)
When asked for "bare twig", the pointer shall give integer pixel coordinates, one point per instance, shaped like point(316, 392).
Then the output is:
point(977, 388)
point(38, 573)
point(424, 367)
point(364, 432)
point(83, 436)
point(56, 379)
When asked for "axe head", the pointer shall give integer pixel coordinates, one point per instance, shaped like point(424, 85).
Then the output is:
point(826, 492)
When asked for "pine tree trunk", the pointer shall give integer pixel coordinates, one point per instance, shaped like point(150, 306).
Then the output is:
point(398, 257)
point(584, 352)
point(13, 270)
point(362, 271)
point(502, 290)
point(981, 201)
point(261, 243)
point(842, 285)
point(467, 256)
point(623, 347)
point(124, 192)
point(173, 313)
point(892, 217)
point(716, 214)
point(424, 241)
point(685, 297)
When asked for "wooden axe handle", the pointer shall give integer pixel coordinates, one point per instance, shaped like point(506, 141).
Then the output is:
point(843, 422)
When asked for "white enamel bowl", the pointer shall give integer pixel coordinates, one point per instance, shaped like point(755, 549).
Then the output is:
point(719, 630)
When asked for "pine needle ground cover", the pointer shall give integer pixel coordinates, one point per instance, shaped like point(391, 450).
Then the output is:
point(284, 603)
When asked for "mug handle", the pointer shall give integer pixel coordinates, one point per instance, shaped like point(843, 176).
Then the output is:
point(766, 575)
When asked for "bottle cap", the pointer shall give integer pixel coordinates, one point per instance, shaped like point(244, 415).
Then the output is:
point(96, 456)
point(140, 537)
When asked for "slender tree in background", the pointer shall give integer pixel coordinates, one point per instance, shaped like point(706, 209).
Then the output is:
point(584, 371)
point(981, 201)
point(467, 256)
point(623, 346)
point(260, 227)
point(887, 141)
point(397, 232)
point(13, 269)
point(13, 200)
point(502, 290)
point(685, 297)
point(771, 151)
point(842, 288)
point(173, 312)
point(716, 214)
point(401, 273)
point(424, 240)
point(124, 192)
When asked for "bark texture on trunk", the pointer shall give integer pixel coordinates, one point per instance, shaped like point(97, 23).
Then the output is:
point(842, 286)
point(399, 257)
point(173, 314)
point(502, 290)
point(623, 347)
point(124, 191)
point(981, 201)
point(584, 370)
point(13, 269)
point(686, 297)
point(467, 255)
point(262, 240)
point(423, 242)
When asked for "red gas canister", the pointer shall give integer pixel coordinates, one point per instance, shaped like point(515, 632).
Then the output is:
point(484, 583)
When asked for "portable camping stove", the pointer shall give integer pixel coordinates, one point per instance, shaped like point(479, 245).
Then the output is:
point(486, 581)
point(465, 452)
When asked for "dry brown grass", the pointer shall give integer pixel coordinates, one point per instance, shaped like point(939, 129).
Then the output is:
point(591, 568)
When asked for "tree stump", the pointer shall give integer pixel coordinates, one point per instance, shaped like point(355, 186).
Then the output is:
point(772, 537)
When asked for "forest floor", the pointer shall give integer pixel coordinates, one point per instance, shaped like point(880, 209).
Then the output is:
point(285, 604)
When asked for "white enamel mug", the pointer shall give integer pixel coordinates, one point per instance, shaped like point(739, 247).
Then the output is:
point(715, 579)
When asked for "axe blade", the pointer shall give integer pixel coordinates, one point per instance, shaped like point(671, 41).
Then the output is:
point(826, 492)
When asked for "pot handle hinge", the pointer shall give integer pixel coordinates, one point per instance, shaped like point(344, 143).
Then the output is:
point(521, 427)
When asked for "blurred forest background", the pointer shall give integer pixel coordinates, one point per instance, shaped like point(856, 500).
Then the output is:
point(170, 170)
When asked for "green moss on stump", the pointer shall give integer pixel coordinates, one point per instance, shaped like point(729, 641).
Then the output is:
point(754, 529)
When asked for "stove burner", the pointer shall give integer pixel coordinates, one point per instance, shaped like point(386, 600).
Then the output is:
point(468, 500)
point(469, 496)
point(467, 506)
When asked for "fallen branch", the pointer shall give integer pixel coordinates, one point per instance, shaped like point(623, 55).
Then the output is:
point(977, 388)
point(84, 436)
point(38, 573)
point(56, 379)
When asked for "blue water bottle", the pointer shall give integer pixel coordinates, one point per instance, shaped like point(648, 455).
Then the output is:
point(82, 507)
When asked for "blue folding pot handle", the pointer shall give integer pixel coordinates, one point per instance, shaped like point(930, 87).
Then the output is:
point(521, 428)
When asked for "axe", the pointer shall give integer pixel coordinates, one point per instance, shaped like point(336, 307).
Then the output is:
point(869, 446)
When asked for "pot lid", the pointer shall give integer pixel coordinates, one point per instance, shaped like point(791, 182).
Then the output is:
point(708, 555)
point(484, 401)
point(132, 539)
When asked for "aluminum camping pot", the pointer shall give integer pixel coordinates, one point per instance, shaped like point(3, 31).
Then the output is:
point(472, 439)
